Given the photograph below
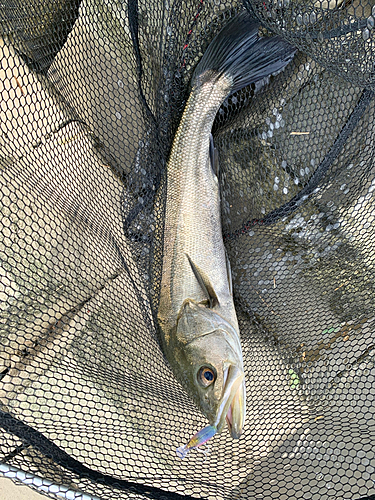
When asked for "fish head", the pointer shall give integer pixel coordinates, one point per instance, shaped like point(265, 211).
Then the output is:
point(210, 366)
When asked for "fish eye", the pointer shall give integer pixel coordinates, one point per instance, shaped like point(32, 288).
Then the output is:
point(206, 376)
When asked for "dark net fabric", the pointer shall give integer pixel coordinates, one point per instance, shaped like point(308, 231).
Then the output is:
point(91, 96)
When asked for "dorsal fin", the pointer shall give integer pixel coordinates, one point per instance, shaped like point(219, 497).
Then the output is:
point(205, 284)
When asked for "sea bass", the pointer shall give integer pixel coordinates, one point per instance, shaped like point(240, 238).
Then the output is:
point(196, 315)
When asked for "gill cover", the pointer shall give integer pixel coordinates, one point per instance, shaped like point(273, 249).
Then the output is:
point(195, 320)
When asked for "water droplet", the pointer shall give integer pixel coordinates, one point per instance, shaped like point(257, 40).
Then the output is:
point(370, 22)
point(118, 115)
point(120, 83)
point(306, 18)
point(285, 190)
point(169, 30)
point(312, 17)
point(299, 20)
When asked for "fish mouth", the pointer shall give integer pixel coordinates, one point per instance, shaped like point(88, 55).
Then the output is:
point(233, 403)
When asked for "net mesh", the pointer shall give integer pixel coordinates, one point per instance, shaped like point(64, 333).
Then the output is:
point(91, 95)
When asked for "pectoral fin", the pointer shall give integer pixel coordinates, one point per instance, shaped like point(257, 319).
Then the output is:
point(229, 273)
point(204, 283)
point(214, 157)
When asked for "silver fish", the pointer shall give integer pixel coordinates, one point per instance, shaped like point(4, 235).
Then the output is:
point(196, 314)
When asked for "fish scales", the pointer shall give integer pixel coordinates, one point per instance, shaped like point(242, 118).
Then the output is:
point(196, 314)
point(197, 318)
point(192, 217)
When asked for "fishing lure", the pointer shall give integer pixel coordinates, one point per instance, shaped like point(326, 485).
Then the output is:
point(198, 439)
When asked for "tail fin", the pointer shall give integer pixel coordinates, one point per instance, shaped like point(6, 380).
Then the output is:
point(238, 51)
